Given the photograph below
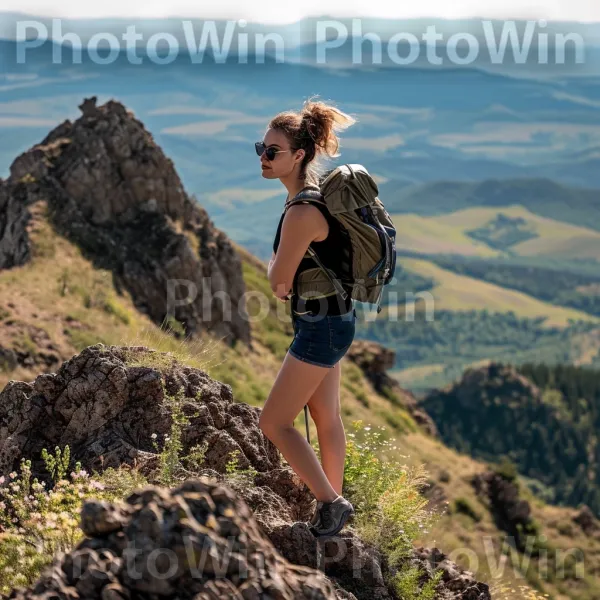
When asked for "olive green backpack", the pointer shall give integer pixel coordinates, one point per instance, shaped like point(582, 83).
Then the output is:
point(369, 254)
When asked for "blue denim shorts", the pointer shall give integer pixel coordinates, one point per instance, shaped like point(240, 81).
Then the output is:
point(322, 340)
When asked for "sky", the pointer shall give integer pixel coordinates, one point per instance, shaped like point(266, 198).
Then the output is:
point(284, 11)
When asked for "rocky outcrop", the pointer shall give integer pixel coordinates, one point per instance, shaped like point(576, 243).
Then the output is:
point(106, 410)
point(111, 190)
point(201, 541)
point(586, 519)
point(455, 582)
point(14, 241)
point(25, 345)
point(375, 360)
point(197, 542)
point(511, 514)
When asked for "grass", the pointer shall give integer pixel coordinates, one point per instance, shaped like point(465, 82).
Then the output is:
point(433, 235)
point(447, 234)
point(412, 376)
point(462, 293)
point(51, 289)
point(390, 511)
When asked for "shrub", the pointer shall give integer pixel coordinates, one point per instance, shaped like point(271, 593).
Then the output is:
point(406, 583)
point(390, 510)
point(38, 521)
point(506, 469)
point(173, 465)
point(237, 477)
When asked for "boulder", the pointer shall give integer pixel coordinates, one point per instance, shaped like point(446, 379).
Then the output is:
point(375, 360)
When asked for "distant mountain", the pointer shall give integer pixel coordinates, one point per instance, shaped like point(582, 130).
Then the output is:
point(414, 124)
point(541, 196)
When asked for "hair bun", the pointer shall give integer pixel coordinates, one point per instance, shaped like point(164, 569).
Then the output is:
point(314, 129)
point(322, 122)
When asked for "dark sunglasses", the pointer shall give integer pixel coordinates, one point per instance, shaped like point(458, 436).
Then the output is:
point(270, 151)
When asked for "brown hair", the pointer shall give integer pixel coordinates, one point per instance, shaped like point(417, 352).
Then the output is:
point(313, 129)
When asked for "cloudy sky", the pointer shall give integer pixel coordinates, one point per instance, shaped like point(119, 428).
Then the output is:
point(282, 11)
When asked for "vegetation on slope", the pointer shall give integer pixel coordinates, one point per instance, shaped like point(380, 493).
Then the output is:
point(549, 429)
point(61, 292)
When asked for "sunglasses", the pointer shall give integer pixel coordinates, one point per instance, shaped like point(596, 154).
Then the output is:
point(270, 151)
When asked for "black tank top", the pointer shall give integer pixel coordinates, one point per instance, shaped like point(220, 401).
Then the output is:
point(331, 253)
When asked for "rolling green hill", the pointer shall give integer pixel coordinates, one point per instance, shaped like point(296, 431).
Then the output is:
point(452, 292)
point(539, 196)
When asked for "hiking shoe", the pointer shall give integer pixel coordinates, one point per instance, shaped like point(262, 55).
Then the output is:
point(330, 517)
point(315, 519)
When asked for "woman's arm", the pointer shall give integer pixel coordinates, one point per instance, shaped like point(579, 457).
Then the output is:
point(301, 225)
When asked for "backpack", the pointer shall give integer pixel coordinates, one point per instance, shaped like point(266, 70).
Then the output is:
point(369, 256)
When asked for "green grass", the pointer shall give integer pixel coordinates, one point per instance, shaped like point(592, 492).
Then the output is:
point(447, 234)
point(462, 293)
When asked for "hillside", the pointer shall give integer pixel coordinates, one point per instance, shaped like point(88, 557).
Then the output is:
point(543, 197)
point(58, 303)
point(453, 292)
point(552, 414)
point(490, 232)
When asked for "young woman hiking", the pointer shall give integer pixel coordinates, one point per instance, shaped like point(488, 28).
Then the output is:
point(323, 327)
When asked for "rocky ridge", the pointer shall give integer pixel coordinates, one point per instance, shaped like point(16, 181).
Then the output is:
point(107, 411)
point(111, 190)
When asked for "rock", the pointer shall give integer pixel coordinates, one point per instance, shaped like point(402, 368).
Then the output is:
point(25, 345)
point(511, 513)
point(101, 518)
point(14, 241)
point(375, 360)
point(436, 495)
point(111, 190)
point(250, 537)
point(455, 582)
point(196, 541)
point(586, 519)
point(107, 412)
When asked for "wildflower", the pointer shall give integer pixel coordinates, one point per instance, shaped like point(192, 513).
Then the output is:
point(12, 475)
point(153, 436)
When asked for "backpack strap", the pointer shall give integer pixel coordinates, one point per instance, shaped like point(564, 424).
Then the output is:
point(335, 282)
point(315, 197)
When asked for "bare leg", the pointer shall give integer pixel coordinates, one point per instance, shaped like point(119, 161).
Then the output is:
point(324, 407)
point(296, 382)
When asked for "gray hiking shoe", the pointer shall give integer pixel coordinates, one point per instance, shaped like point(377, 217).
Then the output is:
point(330, 517)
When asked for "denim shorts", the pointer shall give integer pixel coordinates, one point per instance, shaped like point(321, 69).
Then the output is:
point(322, 340)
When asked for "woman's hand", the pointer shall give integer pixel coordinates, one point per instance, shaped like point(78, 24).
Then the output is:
point(281, 296)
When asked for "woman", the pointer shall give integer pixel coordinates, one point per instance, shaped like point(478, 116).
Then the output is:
point(323, 327)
